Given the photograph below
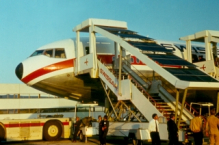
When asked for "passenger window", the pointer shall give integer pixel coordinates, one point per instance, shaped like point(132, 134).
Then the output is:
point(132, 60)
point(10, 111)
point(48, 52)
point(137, 60)
point(21, 111)
point(60, 53)
point(3, 111)
point(34, 111)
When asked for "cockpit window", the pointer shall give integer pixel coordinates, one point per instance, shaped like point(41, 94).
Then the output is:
point(38, 52)
point(60, 53)
point(48, 52)
point(54, 53)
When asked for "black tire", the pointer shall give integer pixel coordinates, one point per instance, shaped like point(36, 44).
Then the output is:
point(52, 130)
point(2, 133)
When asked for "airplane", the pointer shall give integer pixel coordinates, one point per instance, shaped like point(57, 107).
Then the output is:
point(51, 67)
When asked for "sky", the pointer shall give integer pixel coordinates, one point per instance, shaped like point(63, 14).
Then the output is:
point(25, 25)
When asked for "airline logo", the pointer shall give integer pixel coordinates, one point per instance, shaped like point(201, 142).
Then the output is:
point(108, 78)
point(206, 66)
point(86, 62)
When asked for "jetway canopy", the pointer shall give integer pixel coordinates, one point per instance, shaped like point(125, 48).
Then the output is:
point(137, 44)
point(208, 37)
point(84, 26)
point(213, 36)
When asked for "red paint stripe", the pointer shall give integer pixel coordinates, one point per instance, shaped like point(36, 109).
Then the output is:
point(65, 123)
point(48, 69)
point(107, 59)
point(11, 125)
point(29, 124)
point(23, 125)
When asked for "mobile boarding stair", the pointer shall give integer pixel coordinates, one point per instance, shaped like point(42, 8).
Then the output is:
point(133, 89)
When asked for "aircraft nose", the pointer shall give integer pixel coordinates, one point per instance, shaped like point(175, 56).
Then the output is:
point(19, 71)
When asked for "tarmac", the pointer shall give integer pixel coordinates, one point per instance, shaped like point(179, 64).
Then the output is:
point(90, 141)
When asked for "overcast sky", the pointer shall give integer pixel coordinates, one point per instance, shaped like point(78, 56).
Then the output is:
point(26, 25)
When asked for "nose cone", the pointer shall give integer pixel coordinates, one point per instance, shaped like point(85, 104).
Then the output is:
point(19, 71)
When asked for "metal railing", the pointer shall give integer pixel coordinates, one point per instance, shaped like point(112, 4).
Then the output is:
point(187, 106)
point(148, 96)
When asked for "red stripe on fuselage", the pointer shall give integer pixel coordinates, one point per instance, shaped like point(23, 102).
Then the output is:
point(107, 59)
point(48, 69)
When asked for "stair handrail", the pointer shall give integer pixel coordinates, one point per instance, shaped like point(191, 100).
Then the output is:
point(167, 86)
point(126, 61)
point(190, 108)
point(158, 106)
point(185, 105)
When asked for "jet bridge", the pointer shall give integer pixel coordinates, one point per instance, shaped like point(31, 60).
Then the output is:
point(182, 74)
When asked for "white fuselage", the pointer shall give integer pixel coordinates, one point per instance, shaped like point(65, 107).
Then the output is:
point(51, 67)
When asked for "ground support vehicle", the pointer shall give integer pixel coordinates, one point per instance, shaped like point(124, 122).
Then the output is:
point(35, 129)
point(136, 131)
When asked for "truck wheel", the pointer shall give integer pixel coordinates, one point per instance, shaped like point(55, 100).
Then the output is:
point(82, 137)
point(2, 133)
point(52, 130)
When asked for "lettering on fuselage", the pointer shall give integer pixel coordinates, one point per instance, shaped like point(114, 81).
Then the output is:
point(108, 78)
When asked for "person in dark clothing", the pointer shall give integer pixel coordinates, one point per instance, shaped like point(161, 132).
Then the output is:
point(105, 126)
point(76, 129)
point(100, 128)
point(172, 130)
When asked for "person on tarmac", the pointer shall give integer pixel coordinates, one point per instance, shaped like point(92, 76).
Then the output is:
point(105, 126)
point(212, 128)
point(172, 131)
point(76, 129)
point(153, 127)
point(100, 127)
point(196, 128)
